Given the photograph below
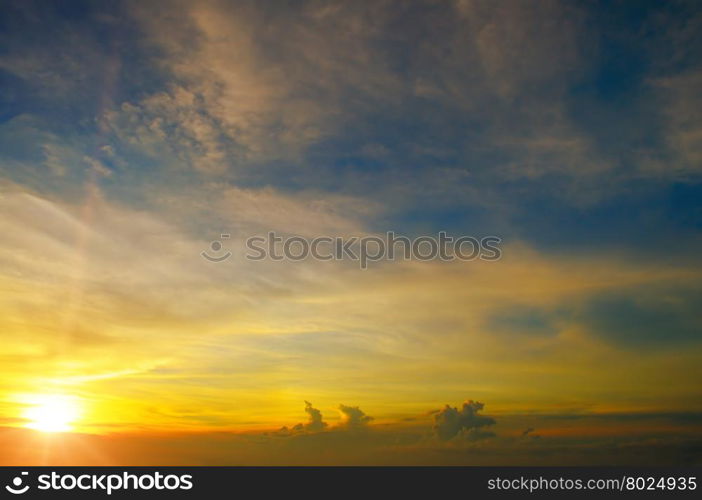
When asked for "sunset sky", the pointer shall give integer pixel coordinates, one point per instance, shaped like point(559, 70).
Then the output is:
point(134, 134)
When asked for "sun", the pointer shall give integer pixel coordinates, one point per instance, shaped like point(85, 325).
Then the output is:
point(51, 413)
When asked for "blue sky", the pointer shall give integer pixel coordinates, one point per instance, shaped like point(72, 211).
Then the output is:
point(571, 142)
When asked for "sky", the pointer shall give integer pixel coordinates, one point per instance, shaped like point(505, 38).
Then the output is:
point(135, 134)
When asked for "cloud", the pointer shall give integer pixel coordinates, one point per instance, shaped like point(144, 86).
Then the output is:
point(300, 213)
point(682, 126)
point(230, 98)
point(267, 100)
point(237, 96)
point(353, 417)
point(175, 122)
point(131, 281)
point(529, 434)
point(97, 166)
point(451, 422)
point(646, 318)
point(314, 424)
point(523, 47)
point(646, 440)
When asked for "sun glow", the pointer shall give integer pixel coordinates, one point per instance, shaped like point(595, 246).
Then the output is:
point(51, 413)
